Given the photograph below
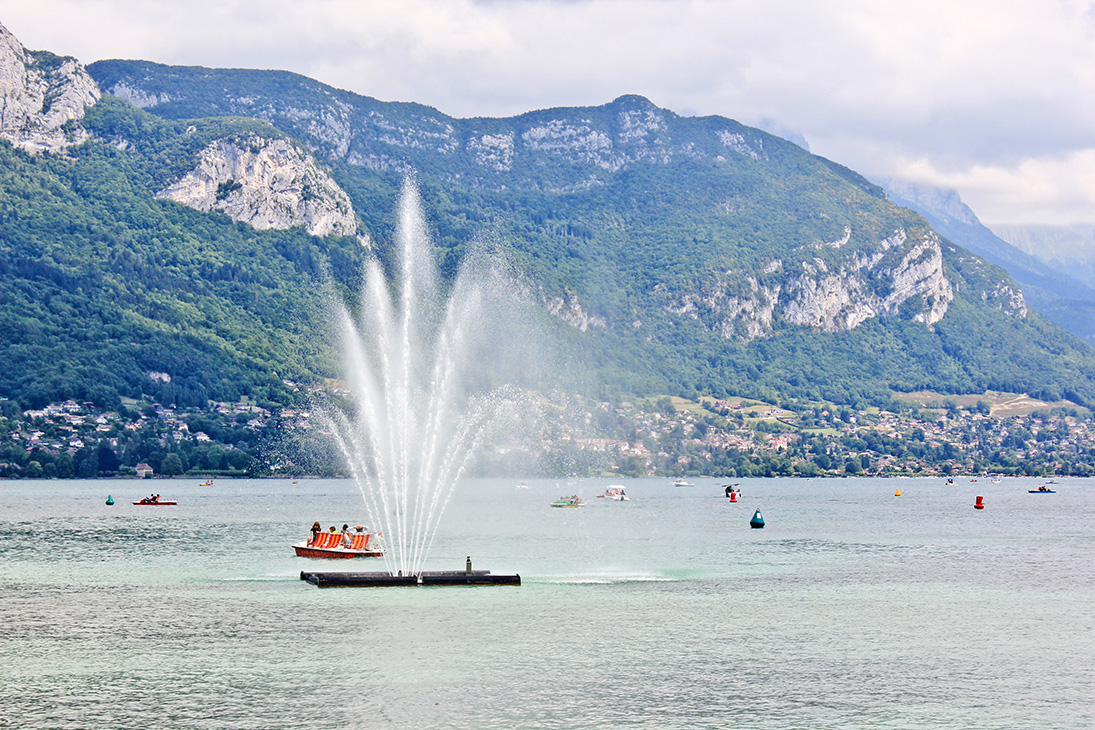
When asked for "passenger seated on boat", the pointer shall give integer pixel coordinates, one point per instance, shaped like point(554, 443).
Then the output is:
point(346, 536)
point(317, 530)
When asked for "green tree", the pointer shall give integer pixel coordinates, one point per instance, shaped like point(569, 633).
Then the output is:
point(171, 466)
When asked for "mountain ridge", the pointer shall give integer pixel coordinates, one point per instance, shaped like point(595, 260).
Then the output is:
point(677, 254)
point(593, 142)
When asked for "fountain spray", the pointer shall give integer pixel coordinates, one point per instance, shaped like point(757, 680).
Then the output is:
point(415, 421)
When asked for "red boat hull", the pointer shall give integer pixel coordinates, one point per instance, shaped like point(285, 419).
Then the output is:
point(304, 551)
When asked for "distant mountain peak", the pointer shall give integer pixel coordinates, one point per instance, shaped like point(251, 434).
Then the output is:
point(633, 100)
point(944, 202)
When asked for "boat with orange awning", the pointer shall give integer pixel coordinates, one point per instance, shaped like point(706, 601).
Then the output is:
point(331, 545)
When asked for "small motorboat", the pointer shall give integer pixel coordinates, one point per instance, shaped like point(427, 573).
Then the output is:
point(330, 545)
point(156, 501)
point(1041, 490)
point(206, 483)
point(572, 501)
point(615, 492)
point(683, 483)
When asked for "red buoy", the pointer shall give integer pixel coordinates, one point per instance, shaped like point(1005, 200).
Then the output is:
point(979, 504)
point(733, 496)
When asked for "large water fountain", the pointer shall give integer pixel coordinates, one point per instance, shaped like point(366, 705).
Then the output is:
point(420, 365)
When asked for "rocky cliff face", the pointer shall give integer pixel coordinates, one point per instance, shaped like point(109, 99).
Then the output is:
point(875, 282)
point(872, 284)
point(267, 183)
point(568, 309)
point(42, 97)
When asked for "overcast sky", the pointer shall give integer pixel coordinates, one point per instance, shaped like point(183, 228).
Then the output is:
point(994, 98)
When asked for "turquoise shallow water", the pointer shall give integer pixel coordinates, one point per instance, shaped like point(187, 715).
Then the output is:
point(852, 608)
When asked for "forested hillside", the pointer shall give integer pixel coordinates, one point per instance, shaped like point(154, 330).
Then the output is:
point(101, 285)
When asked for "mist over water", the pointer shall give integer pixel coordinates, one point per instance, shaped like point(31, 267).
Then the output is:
point(426, 369)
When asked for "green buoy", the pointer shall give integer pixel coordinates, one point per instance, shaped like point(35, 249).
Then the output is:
point(109, 499)
point(757, 521)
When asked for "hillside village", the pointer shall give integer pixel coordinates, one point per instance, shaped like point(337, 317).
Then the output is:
point(999, 434)
point(71, 439)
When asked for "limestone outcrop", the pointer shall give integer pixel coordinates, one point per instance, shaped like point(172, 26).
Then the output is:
point(42, 97)
point(896, 275)
point(868, 286)
point(570, 311)
point(267, 183)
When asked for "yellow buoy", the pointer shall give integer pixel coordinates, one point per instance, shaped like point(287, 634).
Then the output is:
point(897, 493)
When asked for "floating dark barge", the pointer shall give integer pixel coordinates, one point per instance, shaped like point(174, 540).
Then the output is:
point(425, 578)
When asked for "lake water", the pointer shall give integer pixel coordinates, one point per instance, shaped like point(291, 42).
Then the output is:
point(852, 608)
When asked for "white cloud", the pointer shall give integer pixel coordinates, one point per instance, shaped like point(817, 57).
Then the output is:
point(1057, 189)
point(995, 97)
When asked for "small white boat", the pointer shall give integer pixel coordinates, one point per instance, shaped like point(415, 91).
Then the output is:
point(615, 492)
point(683, 483)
